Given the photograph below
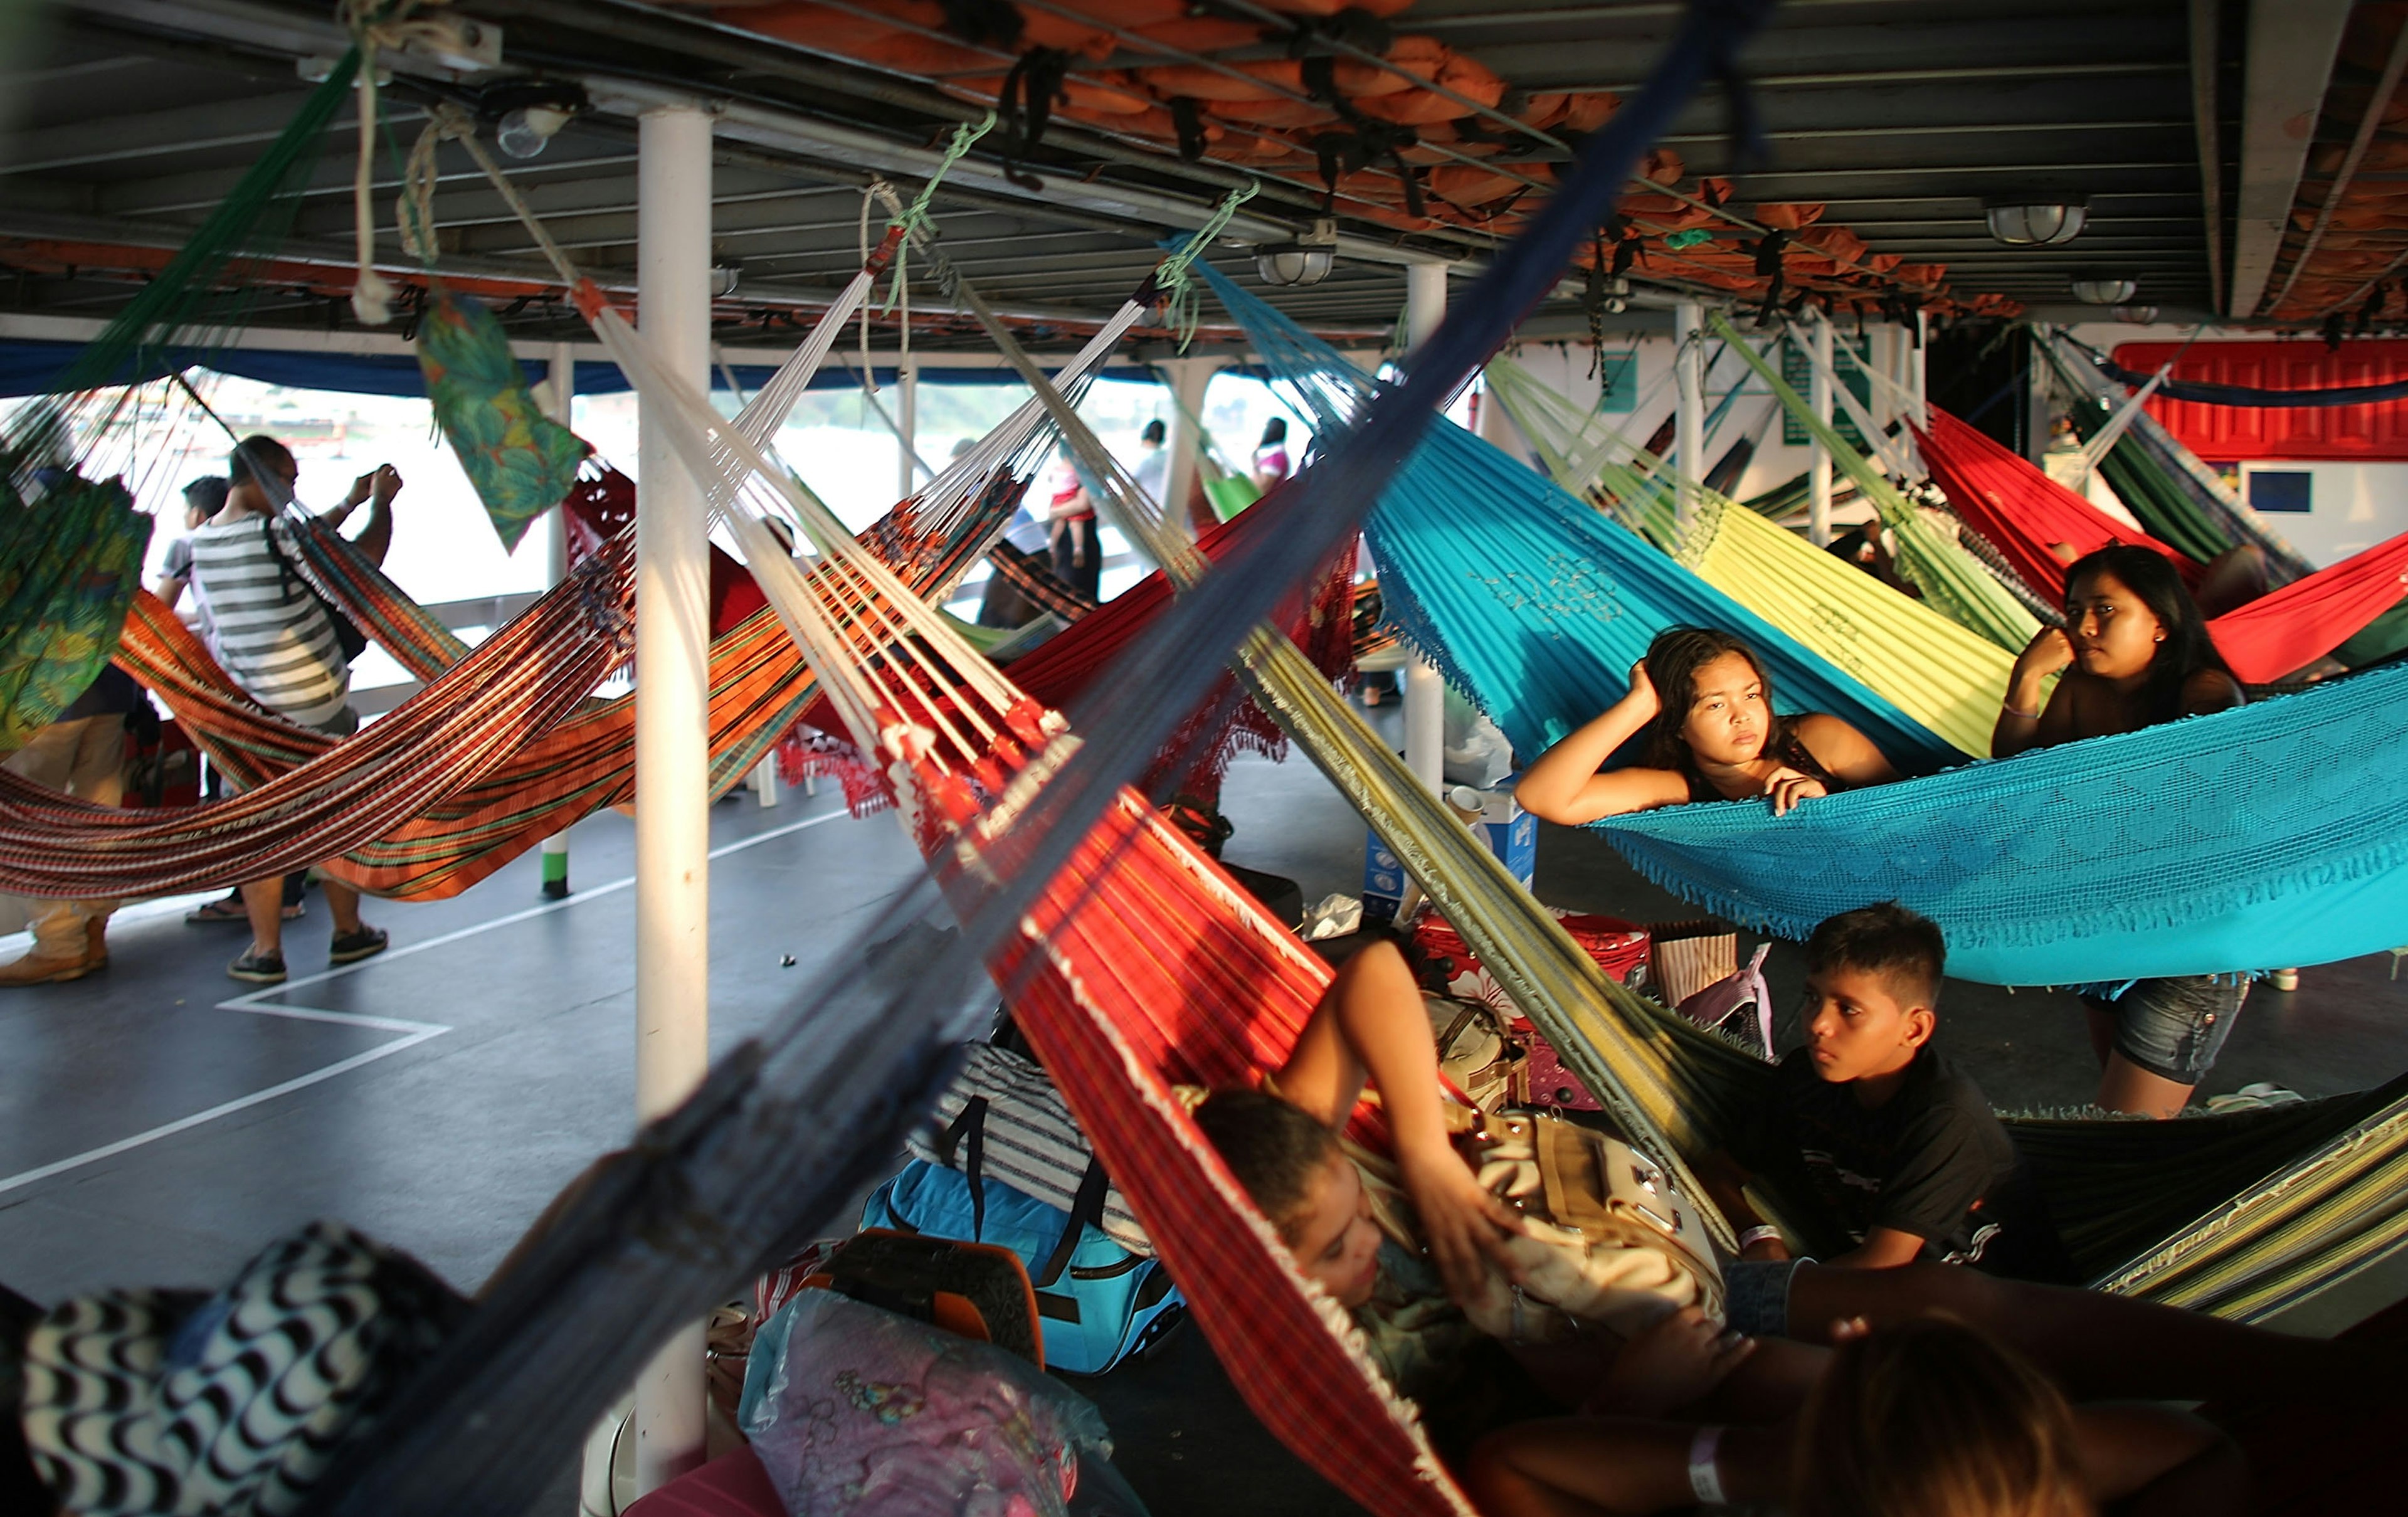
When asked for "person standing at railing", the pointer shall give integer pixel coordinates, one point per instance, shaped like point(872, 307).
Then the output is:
point(1070, 524)
point(278, 640)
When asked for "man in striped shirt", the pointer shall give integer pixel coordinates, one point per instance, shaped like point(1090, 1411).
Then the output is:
point(275, 637)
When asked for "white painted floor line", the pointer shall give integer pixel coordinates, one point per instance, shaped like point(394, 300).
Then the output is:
point(413, 1032)
point(109, 1150)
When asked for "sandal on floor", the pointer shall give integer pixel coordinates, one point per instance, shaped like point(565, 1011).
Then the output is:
point(351, 947)
point(224, 909)
point(258, 969)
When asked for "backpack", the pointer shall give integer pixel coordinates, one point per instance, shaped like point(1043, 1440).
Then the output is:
point(1098, 1302)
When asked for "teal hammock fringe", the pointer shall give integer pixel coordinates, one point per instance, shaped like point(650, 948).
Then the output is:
point(1531, 602)
point(2276, 834)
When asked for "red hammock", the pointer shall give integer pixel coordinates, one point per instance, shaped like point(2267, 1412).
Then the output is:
point(1058, 671)
point(2021, 511)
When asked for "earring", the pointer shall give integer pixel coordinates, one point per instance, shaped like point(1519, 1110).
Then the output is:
point(2161, 635)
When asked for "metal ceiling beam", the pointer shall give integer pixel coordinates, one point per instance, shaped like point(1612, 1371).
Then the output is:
point(114, 138)
point(2292, 44)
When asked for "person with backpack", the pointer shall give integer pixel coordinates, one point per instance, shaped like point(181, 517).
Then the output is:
point(284, 647)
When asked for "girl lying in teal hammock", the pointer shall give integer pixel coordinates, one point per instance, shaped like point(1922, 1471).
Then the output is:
point(2134, 652)
point(1705, 703)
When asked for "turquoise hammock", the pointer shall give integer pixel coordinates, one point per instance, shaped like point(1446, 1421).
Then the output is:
point(2275, 833)
point(1468, 537)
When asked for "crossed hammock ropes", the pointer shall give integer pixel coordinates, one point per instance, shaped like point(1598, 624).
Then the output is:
point(1142, 964)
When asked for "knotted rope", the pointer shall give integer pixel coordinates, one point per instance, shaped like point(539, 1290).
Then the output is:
point(376, 26)
point(1182, 304)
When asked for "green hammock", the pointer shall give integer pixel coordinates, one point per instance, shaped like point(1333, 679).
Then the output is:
point(521, 461)
point(1952, 579)
point(70, 562)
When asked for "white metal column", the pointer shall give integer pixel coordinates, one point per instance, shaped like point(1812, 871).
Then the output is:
point(560, 401)
point(1689, 413)
point(672, 695)
point(907, 429)
point(1190, 379)
point(1818, 489)
point(1919, 369)
point(1424, 692)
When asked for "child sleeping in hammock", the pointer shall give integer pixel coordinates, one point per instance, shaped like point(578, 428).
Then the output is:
point(1705, 703)
point(1282, 1144)
point(2134, 652)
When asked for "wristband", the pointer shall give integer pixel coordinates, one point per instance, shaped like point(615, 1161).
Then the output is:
point(1705, 1482)
point(2028, 716)
point(1761, 1233)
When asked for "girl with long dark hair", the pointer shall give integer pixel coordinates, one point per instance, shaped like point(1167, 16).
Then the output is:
point(1705, 703)
point(2134, 652)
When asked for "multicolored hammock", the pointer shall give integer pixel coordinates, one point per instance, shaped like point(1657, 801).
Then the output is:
point(70, 562)
point(2178, 498)
point(1141, 962)
point(1567, 599)
point(1943, 676)
point(1953, 580)
point(2140, 854)
point(759, 682)
point(527, 677)
point(519, 460)
point(2022, 511)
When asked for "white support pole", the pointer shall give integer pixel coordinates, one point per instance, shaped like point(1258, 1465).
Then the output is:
point(1689, 413)
point(673, 173)
point(1919, 369)
point(907, 429)
point(1190, 379)
point(1424, 692)
point(560, 399)
point(1818, 488)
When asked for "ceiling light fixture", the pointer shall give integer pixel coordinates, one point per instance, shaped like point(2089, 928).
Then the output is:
point(1305, 260)
point(528, 114)
point(2136, 315)
point(2036, 224)
point(2102, 290)
point(724, 276)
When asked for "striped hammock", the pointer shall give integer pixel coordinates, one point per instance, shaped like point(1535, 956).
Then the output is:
point(1950, 579)
point(1946, 678)
point(2024, 512)
point(526, 678)
point(1565, 600)
point(561, 770)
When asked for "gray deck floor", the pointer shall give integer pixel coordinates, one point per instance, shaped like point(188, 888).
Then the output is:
point(158, 1123)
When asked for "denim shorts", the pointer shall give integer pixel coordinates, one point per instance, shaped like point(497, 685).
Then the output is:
point(1755, 1295)
point(2173, 1028)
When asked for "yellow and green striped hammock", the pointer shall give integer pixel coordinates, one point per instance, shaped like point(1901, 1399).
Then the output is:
point(1934, 670)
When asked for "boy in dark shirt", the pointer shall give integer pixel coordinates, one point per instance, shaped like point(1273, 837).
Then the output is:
point(1886, 1134)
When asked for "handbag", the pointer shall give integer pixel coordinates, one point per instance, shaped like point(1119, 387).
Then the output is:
point(1610, 1241)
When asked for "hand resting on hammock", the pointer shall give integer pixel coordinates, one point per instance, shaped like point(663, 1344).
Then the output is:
point(1720, 737)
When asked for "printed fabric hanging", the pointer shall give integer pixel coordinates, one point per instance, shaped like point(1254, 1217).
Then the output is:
point(70, 562)
point(521, 461)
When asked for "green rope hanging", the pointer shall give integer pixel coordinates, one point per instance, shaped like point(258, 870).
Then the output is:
point(1182, 308)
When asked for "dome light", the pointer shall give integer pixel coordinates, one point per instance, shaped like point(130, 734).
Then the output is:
point(525, 132)
point(2099, 290)
point(2036, 224)
point(1305, 260)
